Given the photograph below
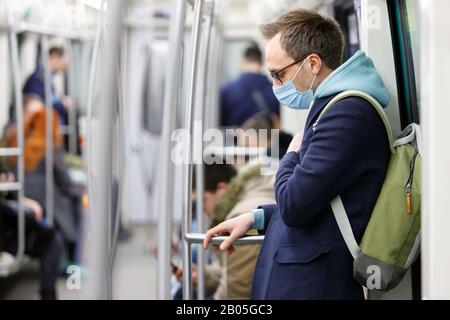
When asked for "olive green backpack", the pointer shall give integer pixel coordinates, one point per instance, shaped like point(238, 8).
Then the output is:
point(391, 241)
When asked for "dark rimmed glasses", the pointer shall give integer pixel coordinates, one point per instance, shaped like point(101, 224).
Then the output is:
point(275, 74)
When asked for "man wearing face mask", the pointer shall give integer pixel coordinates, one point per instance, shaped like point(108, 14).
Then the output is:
point(346, 153)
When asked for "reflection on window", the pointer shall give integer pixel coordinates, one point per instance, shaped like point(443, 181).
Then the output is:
point(413, 30)
point(404, 17)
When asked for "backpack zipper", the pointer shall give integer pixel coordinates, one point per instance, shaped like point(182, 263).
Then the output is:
point(409, 182)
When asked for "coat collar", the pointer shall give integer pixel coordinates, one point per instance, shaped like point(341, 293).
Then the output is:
point(315, 110)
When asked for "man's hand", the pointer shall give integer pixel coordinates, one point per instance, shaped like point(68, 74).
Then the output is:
point(36, 207)
point(236, 228)
point(296, 143)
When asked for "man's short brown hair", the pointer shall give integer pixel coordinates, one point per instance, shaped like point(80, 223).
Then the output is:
point(58, 52)
point(304, 32)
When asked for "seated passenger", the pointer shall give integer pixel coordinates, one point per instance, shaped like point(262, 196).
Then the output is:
point(262, 121)
point(40, 241)
point(223, 200)
point(217, 179)
point(66, 194)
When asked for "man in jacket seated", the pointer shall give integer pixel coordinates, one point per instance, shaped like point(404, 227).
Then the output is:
point(41, 241)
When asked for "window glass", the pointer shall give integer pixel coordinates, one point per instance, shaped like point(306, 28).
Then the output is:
point(413, 31)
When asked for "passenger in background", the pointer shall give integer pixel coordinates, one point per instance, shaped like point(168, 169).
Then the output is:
point(67, 195)
point(263, 121)
point(244, 192)
point(40, 241)
point(249, 94)
point(224, 200)
point(35, 84)
point(217, 179)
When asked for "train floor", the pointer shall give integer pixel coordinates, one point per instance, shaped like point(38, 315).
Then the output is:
point(133, 276)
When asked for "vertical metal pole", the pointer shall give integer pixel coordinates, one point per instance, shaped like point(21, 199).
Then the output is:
point(49, 187)
point(102, 162)
point(200, 170)
point(225, 4)
point(122, 71)
point(120, 166)
point(171, 100)
point(14, 47)
point(72, 116)
point(216, 62)
point(187, 201)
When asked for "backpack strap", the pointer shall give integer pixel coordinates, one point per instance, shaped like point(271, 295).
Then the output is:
point(373, 102)
point(337, 206)
point(344, 226)
point(410, 134)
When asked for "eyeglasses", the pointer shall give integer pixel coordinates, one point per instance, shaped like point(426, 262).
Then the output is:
point(275, 74)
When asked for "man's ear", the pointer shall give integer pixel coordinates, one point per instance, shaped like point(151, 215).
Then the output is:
point(315, 63)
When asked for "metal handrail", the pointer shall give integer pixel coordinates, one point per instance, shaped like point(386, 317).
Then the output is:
point(98, 253)
point(171, 101)
point(115, 225)
point(14, 47)
point(72, 113)
point(216, 58)
point(10, 152)
point(198, 238)
point(12, 186)
point(187, 200)
point(200, 172)
point(190, 238)
point(49, 143)
point(235, 151)
point(25, 27)
point(90, 100)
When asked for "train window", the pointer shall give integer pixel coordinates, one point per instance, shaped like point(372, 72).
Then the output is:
point(404, 17)
point(404, 20)
point(413, 29)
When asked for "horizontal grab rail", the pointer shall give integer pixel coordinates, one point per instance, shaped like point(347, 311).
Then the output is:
point(15, 186)
point(200, 237)
point(235, 151)
point(24, 27)
point(10, 152)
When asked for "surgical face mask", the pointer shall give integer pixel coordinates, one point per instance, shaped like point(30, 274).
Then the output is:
point(289, 96)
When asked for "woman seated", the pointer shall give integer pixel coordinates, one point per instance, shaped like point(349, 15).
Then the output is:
point(66, 194)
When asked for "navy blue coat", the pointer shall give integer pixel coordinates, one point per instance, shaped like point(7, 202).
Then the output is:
point(237, 101)
point(35, 85)
point(304, 255)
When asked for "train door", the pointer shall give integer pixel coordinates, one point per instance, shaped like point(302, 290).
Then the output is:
point(394, 24)
point(145, 52)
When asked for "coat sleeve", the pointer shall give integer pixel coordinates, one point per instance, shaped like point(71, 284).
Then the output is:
point(305, 187)
point(268, 212)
